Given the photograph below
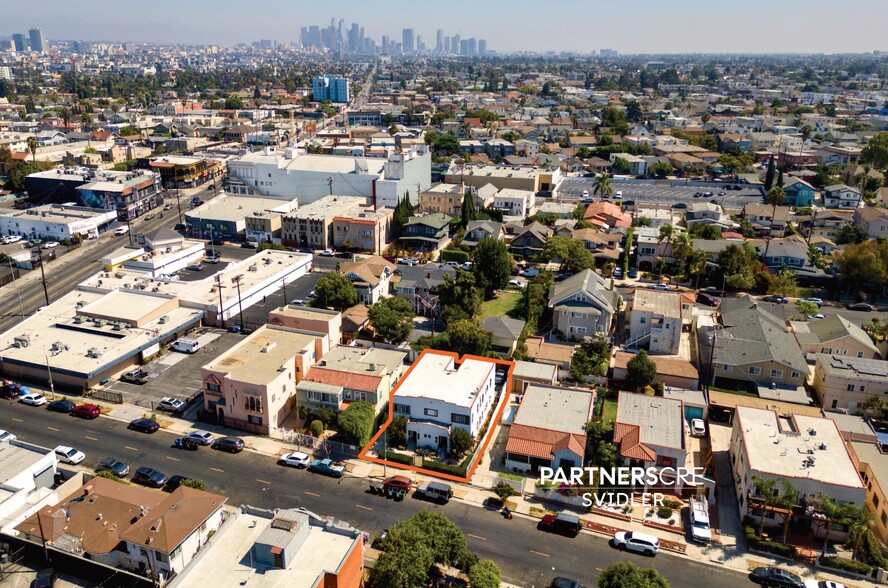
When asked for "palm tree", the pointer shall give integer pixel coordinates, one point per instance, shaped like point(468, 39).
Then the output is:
point(603, 186)
point(861, 521)
point(32, 147)
point(667, 232)
point(773, 500)
point(774, 198)
point(66, 118)
point(806, 133)
point(698, 265)
point(682, 248)
point(831, 513)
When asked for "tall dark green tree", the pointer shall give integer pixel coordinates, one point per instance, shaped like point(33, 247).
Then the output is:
point(641, 370)
point(468, 208)
point(403, 210)
point(769, 176)
point(780, 178)
point(491, 266)
point(335, 291)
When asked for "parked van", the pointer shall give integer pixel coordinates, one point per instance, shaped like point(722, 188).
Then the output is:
point(435, 491)
point(186, 345)
point(699, 514)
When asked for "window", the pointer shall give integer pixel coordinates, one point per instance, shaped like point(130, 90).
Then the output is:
point(755, 370)
point(794, 375)
point(776, 373)
point(214, 387)
point(642, 320)
point(860, 354)
point(826, 350)
point(459, 419)
point(430, 412)
point(850, 388)
point(862, 388)
point(884, 518)
point(875, 501)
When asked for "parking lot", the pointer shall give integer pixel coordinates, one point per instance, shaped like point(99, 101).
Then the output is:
point(572, 188)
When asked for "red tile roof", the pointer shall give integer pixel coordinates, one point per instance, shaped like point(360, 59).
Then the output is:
point(542, 443)
point(629, 439)
point(343, 379)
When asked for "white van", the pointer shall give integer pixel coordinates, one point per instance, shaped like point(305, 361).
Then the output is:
point(699, 513)
point(186, 345)
point(121, 231)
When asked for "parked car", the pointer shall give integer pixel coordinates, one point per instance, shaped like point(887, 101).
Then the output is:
point(638, 542)
point(698, 428)
point(249, 245)
point(679, 205)
point(402, 483)
point(562, 524)
point(813, 300)
point(194, 267)
point(86, 411)
point(295, 459)
point(7, 239)
point(816, 317)
point(113, 465)
point(823, 584)
point(327, 467)
point(50, 245)
point(64, 406)
point(298, 302)
point(618, 272)
point(229, 444)
point(33, 399)
point(138, 376)
point(170, 404)
point(200, 437)
point(663, 287)
point(864, 306)
point(45, 579)
point(633, 272)
point(770, 576)
point(712, 290)
point(707, 300)
point(144, 426)
point(149, 217)
point(327, 253)
point(167, 206)
point(434, 491)
point(69, 455)
point(516, 283)
point(7, 436)
point(776, 299)
point(561, 582)
point(174, 482)
point(150, 477)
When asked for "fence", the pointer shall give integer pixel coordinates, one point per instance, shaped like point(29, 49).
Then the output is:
point(106, 395)
point(317, 445)
point(491, 482)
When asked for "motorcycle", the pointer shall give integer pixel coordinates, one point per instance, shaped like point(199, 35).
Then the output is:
point(186, 444)
point(507, 513)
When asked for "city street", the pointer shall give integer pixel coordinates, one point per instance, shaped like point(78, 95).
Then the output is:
point(526, 556)
point(572, 188)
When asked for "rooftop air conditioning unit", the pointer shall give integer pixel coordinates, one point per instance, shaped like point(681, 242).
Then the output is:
point(118, 327)
point(22, 342)
point(93, 352)
point(78, 320)
point(253, 268)
point(163, 320)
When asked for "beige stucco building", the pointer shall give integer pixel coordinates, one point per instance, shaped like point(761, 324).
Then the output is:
point(844, 382)
point(363, 229)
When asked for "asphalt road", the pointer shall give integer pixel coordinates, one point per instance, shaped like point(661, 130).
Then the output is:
point(571, 188)
point(526, 556)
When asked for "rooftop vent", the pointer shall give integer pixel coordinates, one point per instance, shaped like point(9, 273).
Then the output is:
point(94, 353)
point(22, 342)
point(163, 320)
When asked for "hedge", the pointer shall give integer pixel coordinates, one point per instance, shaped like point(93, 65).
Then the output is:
point(396, 457)
point(845, 564)
point(444, 468)
point(754, 542)
point(457, 255)
point(873, 551)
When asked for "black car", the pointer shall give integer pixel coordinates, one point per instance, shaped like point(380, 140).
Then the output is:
point(679, 205)
point(776, 299)
point(113, 465)
point(174, 482)
point(628, 202)
point(45, 579)
point(776, 578)
point(864, 306)
point(150, 477)
point(565, 583)
point(144, 426)
point(229, 444)
point(64, 406)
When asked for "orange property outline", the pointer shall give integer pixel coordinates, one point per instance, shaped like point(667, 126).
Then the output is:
point(483, 448)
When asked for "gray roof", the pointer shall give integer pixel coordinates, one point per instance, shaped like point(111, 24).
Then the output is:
point(787, 248)
point(586, 281)
point(424, 277)
point(503, 327)
point(660, 420)
point(836, 327)
point(556, 409)
point(754, 332)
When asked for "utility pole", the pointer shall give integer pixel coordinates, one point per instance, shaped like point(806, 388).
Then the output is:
point(236, 281)
point(284, 288)
point(15, 285)
point(221, 310)
point(49, 372)
point(129, 229)
point(179, 204)
point(43, 276)
point(330, 184)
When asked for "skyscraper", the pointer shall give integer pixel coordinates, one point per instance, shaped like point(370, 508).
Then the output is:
point(439, 41)
point(407, 45)
point(386, 45)
point(454, 44)
point(38, 42)
point(446, 44)
point(420, 44)
point(332, 88)
point(482, 46)
point(20, 42)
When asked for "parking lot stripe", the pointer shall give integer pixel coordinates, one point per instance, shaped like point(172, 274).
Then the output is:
point(52, 429)
point(17, 420)
point(172, 458)
point(130, 448)
point(312, 494)
point(476, 537)
point(90, 438)
point(218, 470)
point(364, 507)
point(263, 481)
point(540, 553)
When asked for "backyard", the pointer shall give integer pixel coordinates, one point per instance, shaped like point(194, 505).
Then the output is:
point(505, 304)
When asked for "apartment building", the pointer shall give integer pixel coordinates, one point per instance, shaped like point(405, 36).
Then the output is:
point(844, 383)
point(655, 321)
point(312, 225)
point(363, 229)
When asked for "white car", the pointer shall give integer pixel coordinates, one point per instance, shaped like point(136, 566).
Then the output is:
point(201, 437)
point(121, 231)
point(816, 317)
point(516, 283)
point(638, 542)
point(295, 459)
point(33, 399)
point(698, 428)
point(7, 239)
point(823, 584)
point(327, 253)
point(618, 194)
point(585, 193)
point(171, 404)
point(69, 455)
point(7, 436)
point(50, 245)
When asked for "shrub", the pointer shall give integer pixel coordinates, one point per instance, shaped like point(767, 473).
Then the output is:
point(194, 483)
point(457, 255)
point(503, 490)
point(777, 548)
point(872, 551)
point(845, 564)
point(110, 476)
point(395, 457)
point(317, 428)
point(672, 503)
point(664, 512)
point(444, 468)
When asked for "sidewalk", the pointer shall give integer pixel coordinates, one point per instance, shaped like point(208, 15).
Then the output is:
point(727, 553)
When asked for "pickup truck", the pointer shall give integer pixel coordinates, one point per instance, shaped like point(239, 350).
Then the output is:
point(327, 467)
point(138, 376)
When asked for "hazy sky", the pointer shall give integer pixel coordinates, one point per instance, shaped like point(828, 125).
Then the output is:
point(629, 26)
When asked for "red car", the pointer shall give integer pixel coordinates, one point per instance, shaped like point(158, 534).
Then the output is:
point(86, 411)
point(398, 483)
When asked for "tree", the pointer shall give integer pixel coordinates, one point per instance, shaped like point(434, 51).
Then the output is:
point(769, 176)
point(705, 232)
point(396, 432)
point(461, 292)
point(851, 234)
point(32, 147)
point(446, 144)
point(667, 232)
point(876, 151)
point(600, 436)
point(806, 308)
point(392, 318)
point(682, 248)
point(784, 283)
point(603, 186)
point(864, 263)
point(772, 499)
point(628, 575)
point(485, 574)
point(633, 111)
point(461, 442)
point(466, 337)
point(491, 266)
point(357, 421)
point(335, 291)
point(661, 169)
point(234, 103)
point(591, 358)
point(641, 370)
point(403, 211)
point(774, 197)
point(861, 522)
point(698, 265)
point(572, 254)
point(194, 483)
point(468, 208)
point(621, 166)
point(831, 514)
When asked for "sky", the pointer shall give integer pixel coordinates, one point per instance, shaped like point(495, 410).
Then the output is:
point(628, 26)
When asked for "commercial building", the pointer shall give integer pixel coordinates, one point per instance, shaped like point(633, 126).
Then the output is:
point(305, 318)
point(182, 171)
point(164, 253)
point(363, 229)
point(312, 225)
point(549, 429)
point(503, 176)
point(56, 221)
point(348, 374)
point(130, 527)
point(807, 451)
point(274, 549)
point(513, 202)
point(38, 41)
point(332, 88)
point(225, 217)
point(132, 194)
point(289, 174)
point(252, 386)
point(27, 475)
point(441, 392)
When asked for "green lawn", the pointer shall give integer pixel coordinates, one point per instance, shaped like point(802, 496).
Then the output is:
point(503, 305)
point(609, 414)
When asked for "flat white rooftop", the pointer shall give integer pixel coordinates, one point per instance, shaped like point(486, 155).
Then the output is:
point(435, 376)
point(781, 446)
point(236, 208)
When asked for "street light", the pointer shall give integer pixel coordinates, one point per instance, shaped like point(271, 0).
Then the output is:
point(49, 371)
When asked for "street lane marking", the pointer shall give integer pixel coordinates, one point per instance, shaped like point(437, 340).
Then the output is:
point(130, 448)
point(17, 420)
point(364, 507)
point(53, 429)
point(218, 470)
point(540, 553)
point(172, 458)
point(90, 438)
point(476, 537)
point(600, 570)
point(263, 481)
point(312, 494)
